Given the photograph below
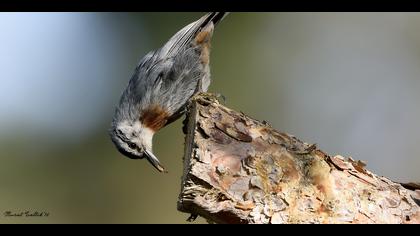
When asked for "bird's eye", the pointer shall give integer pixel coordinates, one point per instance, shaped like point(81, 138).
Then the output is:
point(132, 145)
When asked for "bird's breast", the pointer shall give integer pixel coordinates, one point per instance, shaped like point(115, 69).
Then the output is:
point(154, 117)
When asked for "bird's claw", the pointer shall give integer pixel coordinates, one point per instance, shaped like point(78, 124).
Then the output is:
point(208, 98)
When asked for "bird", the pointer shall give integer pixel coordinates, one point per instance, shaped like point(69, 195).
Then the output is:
point(161, 86)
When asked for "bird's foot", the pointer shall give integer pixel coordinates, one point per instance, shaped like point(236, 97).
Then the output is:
point(207, 98)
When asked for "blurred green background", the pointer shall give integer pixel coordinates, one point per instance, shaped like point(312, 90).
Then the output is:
point(349, 82)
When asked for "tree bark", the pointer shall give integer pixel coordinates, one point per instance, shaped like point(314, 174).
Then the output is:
point(240, 170)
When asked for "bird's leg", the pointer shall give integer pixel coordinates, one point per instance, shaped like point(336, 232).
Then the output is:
point(206, 98)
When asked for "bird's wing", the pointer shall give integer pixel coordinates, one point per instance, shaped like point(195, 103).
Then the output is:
point(147, 82)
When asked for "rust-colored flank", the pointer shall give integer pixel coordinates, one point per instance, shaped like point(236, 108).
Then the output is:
point(154, 117)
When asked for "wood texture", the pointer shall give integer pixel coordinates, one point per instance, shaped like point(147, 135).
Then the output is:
point(240, 170)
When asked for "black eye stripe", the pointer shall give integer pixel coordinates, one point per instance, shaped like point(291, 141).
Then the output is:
point(132, 145)
point(128, 154)
point(123, 138)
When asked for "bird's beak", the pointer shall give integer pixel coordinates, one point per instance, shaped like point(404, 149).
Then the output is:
point(154, 161)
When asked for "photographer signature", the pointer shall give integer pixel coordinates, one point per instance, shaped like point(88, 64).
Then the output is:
point(26, 214)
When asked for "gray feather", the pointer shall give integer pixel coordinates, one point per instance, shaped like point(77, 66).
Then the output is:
point(168, 76)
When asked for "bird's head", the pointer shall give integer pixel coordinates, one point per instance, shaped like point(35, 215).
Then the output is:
point(134, 141)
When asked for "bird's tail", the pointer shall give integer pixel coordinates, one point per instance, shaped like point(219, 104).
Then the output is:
point(214, 17)
point(189, 32)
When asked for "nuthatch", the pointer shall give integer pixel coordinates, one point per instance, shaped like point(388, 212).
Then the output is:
point(161, 86)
